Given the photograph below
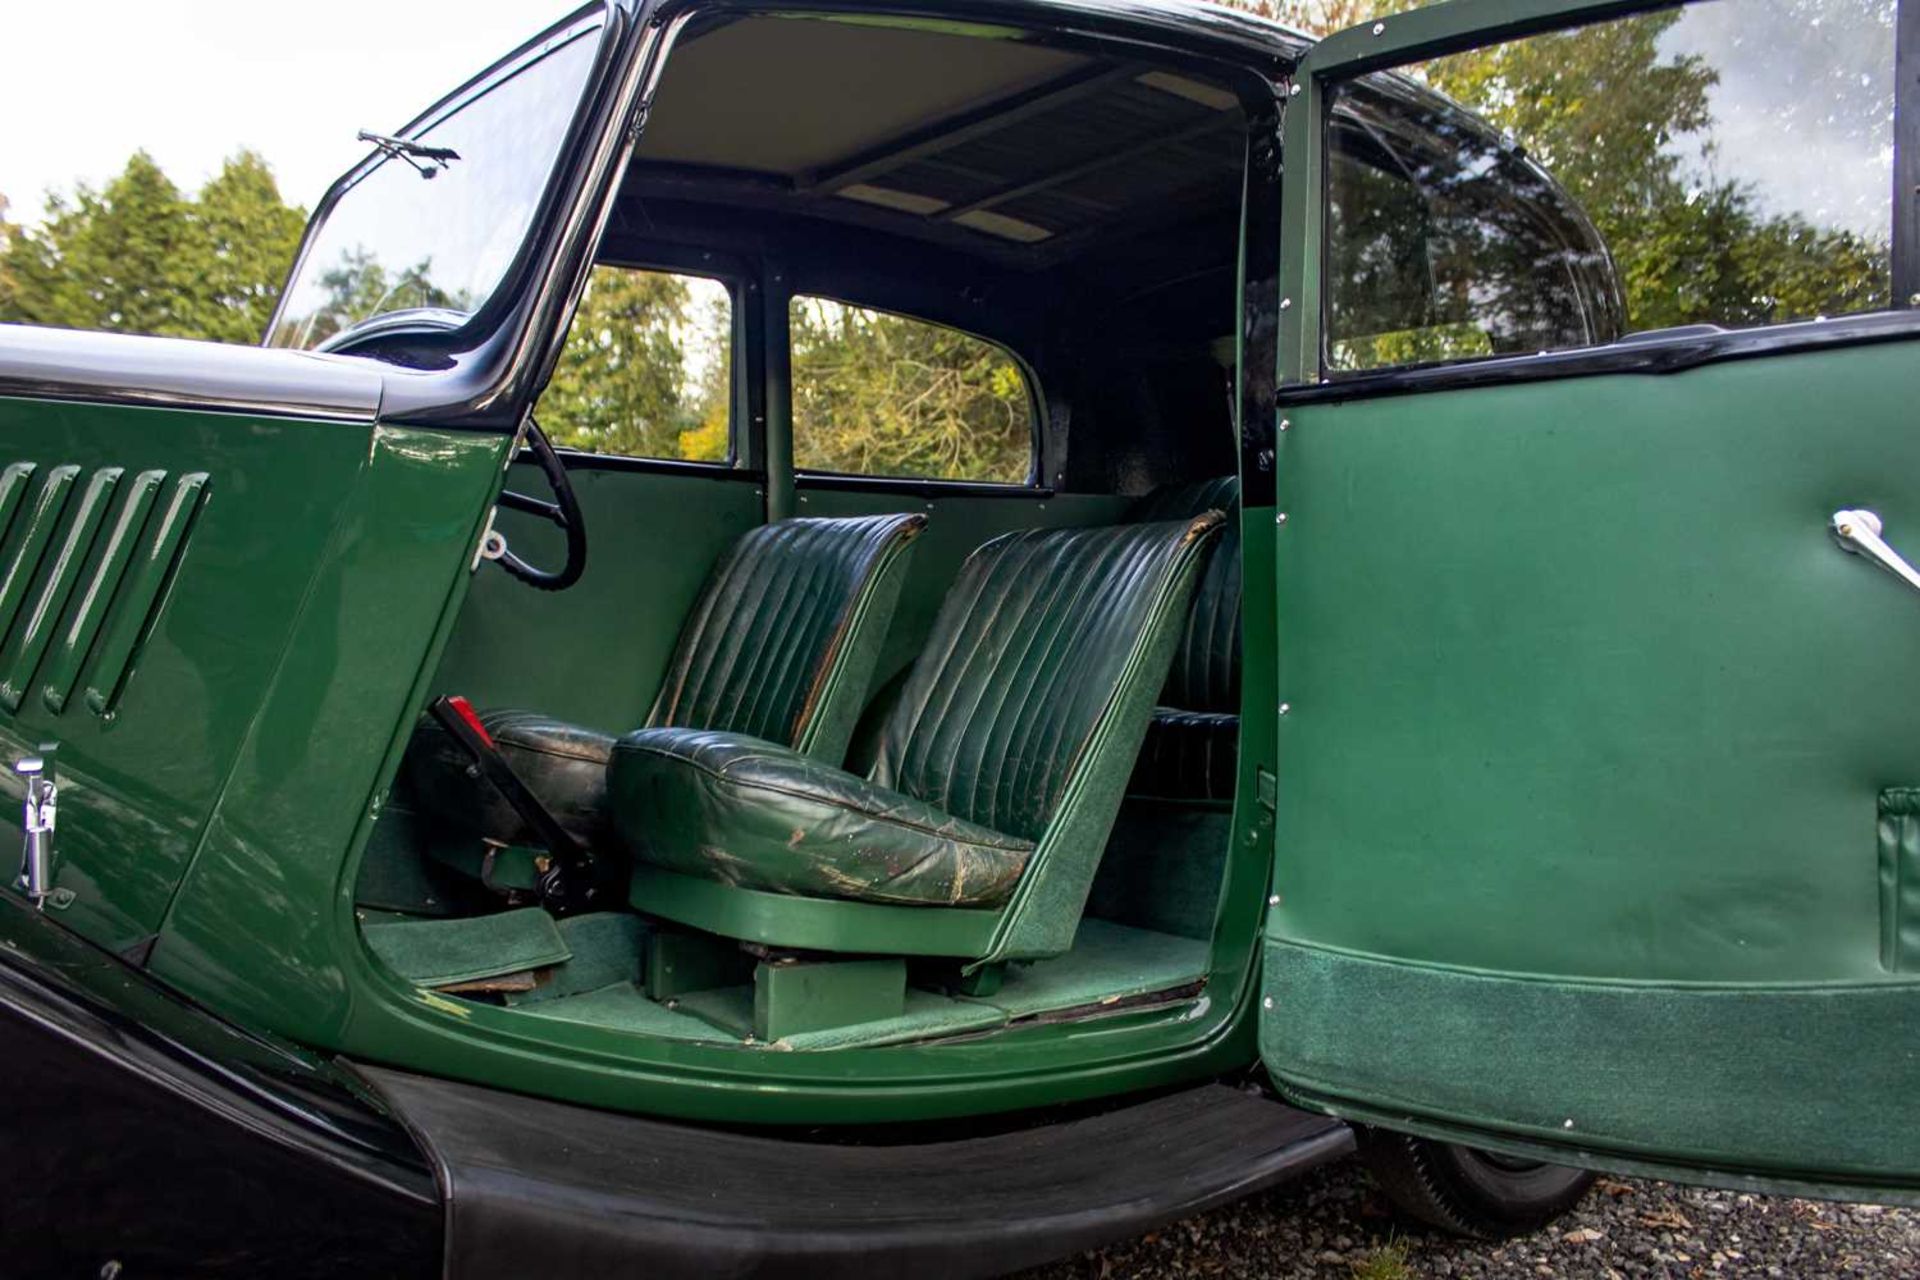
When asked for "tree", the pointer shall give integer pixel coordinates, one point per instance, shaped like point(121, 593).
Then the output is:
point(618, 387)
point(876, 394)
point(1628, 130)
point(244, 242)
point(138, 257)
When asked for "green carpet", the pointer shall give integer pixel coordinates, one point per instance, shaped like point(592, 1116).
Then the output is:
point(1109, 962)
point(928, 1014)
point(1163, 868)
point(606, 949)
point(441, 953)
point(623, 1007)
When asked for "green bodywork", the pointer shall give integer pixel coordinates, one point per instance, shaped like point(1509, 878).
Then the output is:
point(218, 819)
point(212, 577)
point(1575, 792)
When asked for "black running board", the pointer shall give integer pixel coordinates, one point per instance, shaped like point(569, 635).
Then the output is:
point(542, 1188)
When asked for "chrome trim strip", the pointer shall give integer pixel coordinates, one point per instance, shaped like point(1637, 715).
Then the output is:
point(118, 368)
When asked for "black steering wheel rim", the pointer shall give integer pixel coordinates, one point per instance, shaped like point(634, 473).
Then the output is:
point(563, 511)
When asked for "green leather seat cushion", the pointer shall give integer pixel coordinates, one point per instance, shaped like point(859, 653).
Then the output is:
point(781, 644)
point(761, 816)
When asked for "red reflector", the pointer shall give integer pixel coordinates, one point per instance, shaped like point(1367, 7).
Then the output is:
point(464, 709)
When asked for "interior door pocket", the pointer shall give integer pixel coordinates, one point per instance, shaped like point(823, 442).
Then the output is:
point(1900, 879)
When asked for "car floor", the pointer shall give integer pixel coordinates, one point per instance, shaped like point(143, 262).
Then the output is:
point(1109, 963)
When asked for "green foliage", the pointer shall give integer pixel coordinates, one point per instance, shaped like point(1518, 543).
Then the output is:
point(139, 257)
point(878, 394)
point(242, 239)
point(623, 383)
point(1612, 120)
point(1629, 132)
point(1389, 1261)
point(359, 287)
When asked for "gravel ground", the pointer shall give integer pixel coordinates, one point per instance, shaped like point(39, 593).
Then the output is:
point(1333, 1223)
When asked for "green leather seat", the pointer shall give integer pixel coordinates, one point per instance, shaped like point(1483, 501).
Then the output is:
point(1192, 748)
point(781, 644)
point(998, 773)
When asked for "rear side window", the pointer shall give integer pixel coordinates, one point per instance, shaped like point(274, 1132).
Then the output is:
point(647, 369)
point(876, 394)
point(1725, 164)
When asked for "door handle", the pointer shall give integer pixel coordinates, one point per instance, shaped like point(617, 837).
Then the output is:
point(1858, 532)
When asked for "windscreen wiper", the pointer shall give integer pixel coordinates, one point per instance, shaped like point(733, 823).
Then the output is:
point(411, 153)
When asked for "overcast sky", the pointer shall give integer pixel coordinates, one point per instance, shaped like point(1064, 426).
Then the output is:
point(82, 87)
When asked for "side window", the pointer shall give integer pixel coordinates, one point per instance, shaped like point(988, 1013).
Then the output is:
point(647, 370)
point(876, 394)
point(1725, 164)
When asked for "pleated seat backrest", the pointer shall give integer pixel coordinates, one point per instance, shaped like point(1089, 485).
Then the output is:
point(782, 642)
point(1205, 675)
point(1045, 635)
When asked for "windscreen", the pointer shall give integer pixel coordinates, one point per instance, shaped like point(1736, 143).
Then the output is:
point(438, 220)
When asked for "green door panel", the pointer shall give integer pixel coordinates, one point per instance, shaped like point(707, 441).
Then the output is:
point(652, 538)
point(153, 563)
point(1578, 817)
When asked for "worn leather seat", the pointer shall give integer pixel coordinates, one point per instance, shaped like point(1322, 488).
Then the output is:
point(781, 645)
point(997, 777)
point(1192, 748)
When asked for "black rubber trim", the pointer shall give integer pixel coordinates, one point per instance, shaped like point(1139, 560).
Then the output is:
point(1651, 353)
point(143, 1135)
point(542, 1188)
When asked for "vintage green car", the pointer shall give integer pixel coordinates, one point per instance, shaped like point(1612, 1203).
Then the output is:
point(1105, 603)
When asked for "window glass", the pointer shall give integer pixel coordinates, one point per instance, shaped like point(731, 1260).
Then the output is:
point(876, 394)
point(647, 369)
point(439, 230)
point(1726, 164)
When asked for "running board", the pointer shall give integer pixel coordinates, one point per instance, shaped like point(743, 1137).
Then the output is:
point(534, 1187)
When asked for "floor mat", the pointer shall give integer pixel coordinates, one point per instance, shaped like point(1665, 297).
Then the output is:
point(1108, 963)
point(606, 948)
point(927, 1014)
point(624, 1007)
point(442, 953)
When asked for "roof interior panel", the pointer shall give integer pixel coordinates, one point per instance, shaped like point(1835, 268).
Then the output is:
point(1009, 141)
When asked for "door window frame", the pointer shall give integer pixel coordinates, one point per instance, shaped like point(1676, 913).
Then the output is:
point(1437, 31)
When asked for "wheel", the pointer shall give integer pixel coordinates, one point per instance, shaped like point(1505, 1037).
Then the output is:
point(1467, 1191)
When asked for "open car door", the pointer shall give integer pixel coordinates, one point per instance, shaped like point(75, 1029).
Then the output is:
point(1598, 812)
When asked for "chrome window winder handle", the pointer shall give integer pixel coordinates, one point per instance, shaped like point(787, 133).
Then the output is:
point(1858, 532)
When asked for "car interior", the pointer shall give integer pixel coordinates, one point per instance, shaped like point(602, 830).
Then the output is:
point(842, 741)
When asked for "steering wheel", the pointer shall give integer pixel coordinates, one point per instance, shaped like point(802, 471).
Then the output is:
point(564, 511)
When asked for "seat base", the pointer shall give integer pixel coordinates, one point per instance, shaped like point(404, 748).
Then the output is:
point(812, 924)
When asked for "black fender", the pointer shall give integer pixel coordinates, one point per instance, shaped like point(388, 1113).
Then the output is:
point(143, 1136)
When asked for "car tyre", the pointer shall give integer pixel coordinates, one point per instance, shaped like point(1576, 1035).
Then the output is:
point(1466, 1191)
